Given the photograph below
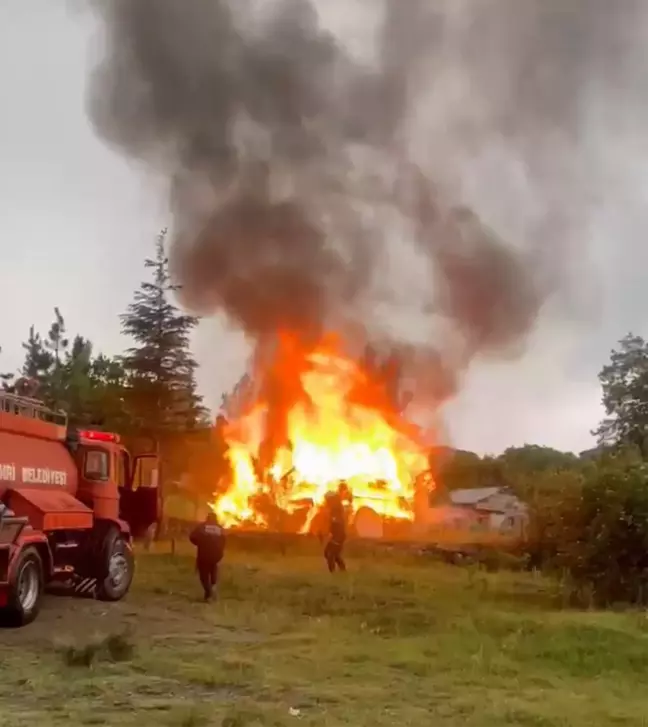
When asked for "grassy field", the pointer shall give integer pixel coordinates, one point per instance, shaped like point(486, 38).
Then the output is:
point(397, 641)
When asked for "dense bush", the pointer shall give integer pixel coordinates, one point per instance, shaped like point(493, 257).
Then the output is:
point(553, 499)
point(608, 555)
point(596, 535)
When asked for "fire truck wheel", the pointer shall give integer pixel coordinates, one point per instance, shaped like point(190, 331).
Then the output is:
point(26, 590)
point(117, 567)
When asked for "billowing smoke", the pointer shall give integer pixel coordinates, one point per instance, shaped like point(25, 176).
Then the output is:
point(294, 163)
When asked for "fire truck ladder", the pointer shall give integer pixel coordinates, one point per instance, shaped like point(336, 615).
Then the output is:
point(31, 408)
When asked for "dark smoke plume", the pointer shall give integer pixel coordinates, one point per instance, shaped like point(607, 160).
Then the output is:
point(280, 146)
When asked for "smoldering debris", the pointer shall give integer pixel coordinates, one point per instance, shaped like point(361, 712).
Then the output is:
point(257, 113)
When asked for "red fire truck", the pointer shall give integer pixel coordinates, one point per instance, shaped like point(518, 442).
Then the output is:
point(70, 504)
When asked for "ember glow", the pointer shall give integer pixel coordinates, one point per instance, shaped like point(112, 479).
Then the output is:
point(319, 421)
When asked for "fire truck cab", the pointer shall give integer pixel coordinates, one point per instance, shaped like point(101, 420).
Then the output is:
point(70, 504)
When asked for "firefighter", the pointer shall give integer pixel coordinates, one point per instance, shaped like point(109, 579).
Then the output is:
point(209, 539)
point(337, 532)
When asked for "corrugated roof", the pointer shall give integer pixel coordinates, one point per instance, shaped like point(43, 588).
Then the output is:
point(473, 496)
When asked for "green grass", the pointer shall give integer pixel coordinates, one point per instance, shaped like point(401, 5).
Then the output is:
point(397, 641)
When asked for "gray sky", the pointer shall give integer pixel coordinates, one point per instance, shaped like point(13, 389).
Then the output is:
point(76, 222)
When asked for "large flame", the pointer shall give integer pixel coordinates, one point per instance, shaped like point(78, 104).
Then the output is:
point(320, 420)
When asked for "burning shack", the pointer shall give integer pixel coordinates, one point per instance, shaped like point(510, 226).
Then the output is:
point(308, 418)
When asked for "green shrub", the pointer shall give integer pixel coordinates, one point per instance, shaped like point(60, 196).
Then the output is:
point(590, 527)
point(554, 502)
point(605, 551)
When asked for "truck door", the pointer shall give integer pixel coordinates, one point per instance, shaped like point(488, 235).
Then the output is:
point(140, 497)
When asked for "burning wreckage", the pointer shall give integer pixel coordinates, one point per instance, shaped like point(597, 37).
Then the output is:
point(309, 420)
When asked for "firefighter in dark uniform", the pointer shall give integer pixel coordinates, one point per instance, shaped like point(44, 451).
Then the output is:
point(209, 539)
point(337, 531)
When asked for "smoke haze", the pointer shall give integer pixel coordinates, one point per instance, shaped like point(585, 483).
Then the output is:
point(296, 163)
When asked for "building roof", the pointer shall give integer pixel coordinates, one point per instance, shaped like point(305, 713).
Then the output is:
point(474, 496)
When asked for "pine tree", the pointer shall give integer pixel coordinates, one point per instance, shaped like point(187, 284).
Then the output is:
point(56, 341)
point(72, 382)
point(63, 360)
point(160, 367)
point(38, 359)
point(36, 371)
point(45, 368)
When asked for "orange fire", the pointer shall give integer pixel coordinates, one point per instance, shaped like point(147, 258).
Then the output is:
point(338, 426)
